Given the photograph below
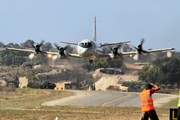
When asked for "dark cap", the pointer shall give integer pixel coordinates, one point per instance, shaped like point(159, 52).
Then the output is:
point(148, 86)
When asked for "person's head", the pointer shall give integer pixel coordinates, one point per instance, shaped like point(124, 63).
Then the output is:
point(148, 86)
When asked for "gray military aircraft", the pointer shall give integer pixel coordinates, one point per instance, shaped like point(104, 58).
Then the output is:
point(89, 49)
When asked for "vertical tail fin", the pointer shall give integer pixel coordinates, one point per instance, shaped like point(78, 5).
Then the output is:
point(94, 35)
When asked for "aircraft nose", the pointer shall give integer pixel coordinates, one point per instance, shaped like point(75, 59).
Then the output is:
point(85, 50)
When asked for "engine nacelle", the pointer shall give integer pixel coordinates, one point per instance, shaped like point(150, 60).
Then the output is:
point(55, 57)
point(63, 55)
point(31, 56)
point(63, 52)
point(113, 56)
point(136, 57)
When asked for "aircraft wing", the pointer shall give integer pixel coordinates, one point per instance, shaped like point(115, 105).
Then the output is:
point(74, 55)
point(69, 55)
point(159, 50)
point(148, 51)
point(31, 51)
point(69, 43)
point(22, 50)
point(52, 53)
point(106, 44)
point(128, 53)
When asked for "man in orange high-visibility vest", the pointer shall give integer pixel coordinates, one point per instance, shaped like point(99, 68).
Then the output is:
point(147, 106)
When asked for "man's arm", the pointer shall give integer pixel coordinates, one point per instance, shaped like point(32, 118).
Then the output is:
point(155, 87)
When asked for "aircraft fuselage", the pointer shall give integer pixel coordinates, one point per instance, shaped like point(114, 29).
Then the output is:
point(88, 49)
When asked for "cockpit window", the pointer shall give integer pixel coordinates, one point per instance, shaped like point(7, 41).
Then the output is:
point(85, 44)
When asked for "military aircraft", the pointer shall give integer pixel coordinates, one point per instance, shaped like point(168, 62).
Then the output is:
point(89, 49)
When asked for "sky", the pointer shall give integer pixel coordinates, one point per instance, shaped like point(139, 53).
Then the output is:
point(157, 21)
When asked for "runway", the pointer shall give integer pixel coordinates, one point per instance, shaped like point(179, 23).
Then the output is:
point(99, 98)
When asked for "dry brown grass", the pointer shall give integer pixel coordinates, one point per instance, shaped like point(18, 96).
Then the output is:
point(31, 98)
point(77, 113)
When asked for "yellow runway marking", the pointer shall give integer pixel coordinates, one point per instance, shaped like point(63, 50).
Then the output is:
point(115, 100)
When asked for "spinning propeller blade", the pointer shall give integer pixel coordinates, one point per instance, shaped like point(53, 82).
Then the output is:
point(62, 50)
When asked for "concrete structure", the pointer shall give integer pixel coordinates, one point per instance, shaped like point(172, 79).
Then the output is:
point(23, 82)
point(169, 54)
point(63, 86)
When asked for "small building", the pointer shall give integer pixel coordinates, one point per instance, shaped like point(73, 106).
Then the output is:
point(169, 54)
point(23, 82)
point(63, 86)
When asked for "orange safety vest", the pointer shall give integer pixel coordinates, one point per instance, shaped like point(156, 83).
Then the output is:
point(147, 101)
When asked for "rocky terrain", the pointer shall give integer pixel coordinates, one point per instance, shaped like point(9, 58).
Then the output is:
point(114, 81)
point(101, 79)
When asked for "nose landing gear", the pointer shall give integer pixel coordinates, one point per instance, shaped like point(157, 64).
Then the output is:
point(90, 61)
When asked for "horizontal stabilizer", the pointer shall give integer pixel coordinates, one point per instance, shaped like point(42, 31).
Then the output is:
point(106, 44)
point(73, 43)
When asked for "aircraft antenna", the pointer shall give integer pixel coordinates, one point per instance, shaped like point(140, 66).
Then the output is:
point(94, 35)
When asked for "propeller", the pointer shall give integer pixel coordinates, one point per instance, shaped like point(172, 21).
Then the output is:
point(139, 48)
point(38, 46)
point(37, 49)
point(62, 50)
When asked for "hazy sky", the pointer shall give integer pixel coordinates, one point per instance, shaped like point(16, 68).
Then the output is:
point(157, 21)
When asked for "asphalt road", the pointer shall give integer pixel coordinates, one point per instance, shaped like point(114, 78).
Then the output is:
point(98, 98)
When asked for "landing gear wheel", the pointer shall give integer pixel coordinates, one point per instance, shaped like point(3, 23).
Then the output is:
point(90, 61)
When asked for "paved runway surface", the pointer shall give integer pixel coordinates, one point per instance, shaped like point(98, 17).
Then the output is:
point(96, 98)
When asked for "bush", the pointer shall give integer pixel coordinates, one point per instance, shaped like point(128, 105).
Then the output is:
point(45, 85)
point(134, 86)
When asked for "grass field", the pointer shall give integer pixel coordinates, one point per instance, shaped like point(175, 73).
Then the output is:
point(24, 104)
